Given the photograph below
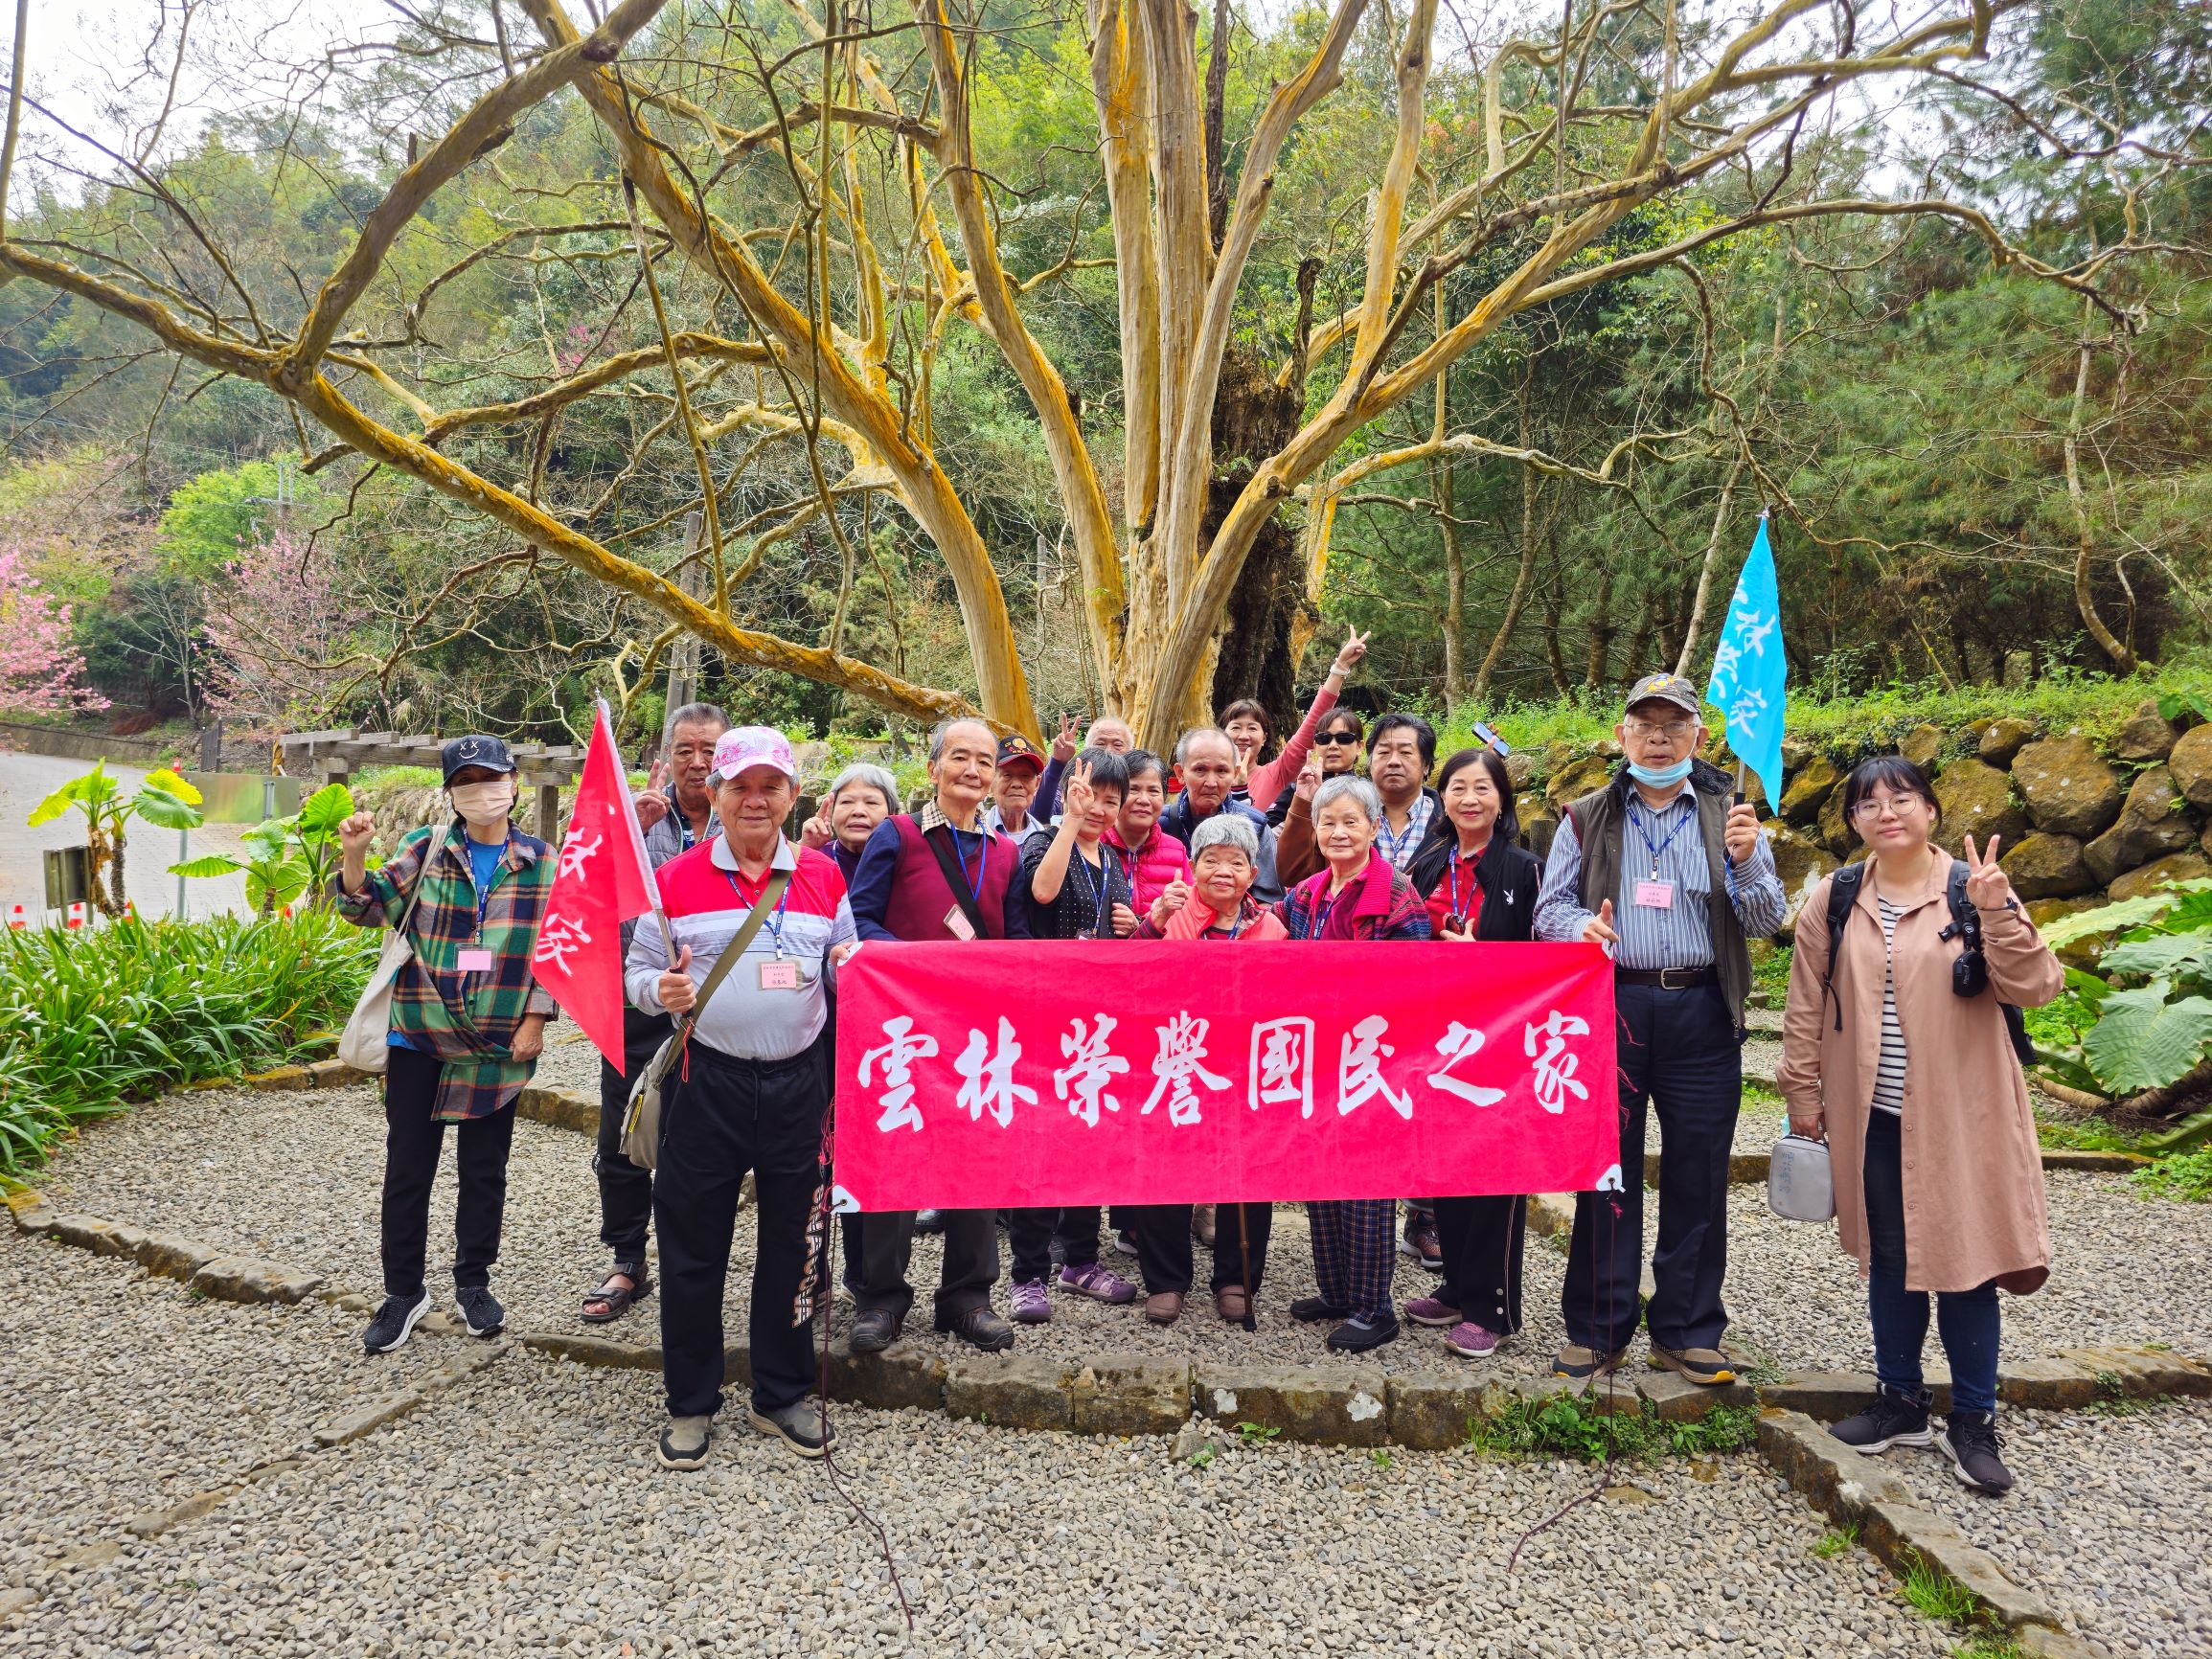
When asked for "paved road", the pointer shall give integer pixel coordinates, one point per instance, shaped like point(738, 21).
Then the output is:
point(26, 779)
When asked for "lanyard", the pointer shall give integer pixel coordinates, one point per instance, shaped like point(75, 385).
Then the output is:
point(1101, 890)
point(982, 860)
point(775, 922)
point(1394, 846)
point(484, 893)
point(1637, 819)
point(1236, 928)
point(1457, 909)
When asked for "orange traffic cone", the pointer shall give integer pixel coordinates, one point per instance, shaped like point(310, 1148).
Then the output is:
point(18, 916)
point(76, 916)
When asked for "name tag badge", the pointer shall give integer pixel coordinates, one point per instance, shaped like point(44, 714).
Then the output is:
point(1655, 894)
point(779, 976)
point(476, 962)
point(957, 925)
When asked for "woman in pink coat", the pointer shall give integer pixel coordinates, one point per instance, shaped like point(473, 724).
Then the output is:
point(1939, 1184)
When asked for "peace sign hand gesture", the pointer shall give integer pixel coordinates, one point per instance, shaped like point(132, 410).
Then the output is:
point(1349, 653)
point(1074, 794)
point(1987, 885)
point(1063, 742)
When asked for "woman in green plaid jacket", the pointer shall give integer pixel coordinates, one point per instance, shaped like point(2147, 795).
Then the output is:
point(467, 1024)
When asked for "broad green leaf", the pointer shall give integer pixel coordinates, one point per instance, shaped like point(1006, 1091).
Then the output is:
point(274, 884)
point(214, 864)
point(2064, 1066)
point(2087, 986)
point(2192, 1130)
point(2168, 954)
point(2143, 1041)
point(90, 791)
point(2114, 918)
point(322, 812)
point(174, 782)
point(167, 812)
point(267, 837)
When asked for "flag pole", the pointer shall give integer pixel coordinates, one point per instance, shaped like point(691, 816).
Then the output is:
point(629, 808)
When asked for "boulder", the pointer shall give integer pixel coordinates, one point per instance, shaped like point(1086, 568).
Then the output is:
point(1977, 801)
point(2045, 866)
point(2082, 952)
point(1519, 769)
point(1538, 823)
point(1833, 832)
point(2173, 867)
point(2069, 788)
point(1808, 790)
point(1923, 744)
point(1798, 858)
point(2191, 764)
point(1577, 778)
point(2153, 823)
point(2147, 736)
point(2001, 740)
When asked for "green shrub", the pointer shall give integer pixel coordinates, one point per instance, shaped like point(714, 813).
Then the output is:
point(91, 1020)
point(2185, 1175)
point(1563, 1426)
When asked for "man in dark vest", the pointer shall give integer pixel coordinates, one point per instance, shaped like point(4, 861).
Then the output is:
point(1660, 868)
point(938, 874)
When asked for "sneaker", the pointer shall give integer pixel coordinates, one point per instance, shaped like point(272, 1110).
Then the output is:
point(1706, 1367)
point(481, 1309)
point(1030, 1305)
point(1472, 1341)
point(1315, 1310)
point(395, 1323)
point(1892, 1419)
point(799, 1425)
point(1576, 1361)
point(1419, 1240)
point(1971, 1438)
point(1126, 1242)
point(1356, 1335)
point(1100, 1284)
point(1428, 1310)
point(683, 1444)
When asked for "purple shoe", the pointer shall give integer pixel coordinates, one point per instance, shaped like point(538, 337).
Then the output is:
point(1098, 1283)
point(1472, 1340)
point(1428, 1310)
point(1030, 1305)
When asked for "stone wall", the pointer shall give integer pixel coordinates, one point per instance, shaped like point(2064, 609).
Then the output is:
point(2080, 822)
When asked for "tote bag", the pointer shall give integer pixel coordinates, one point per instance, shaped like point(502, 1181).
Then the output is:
point(366, 1040)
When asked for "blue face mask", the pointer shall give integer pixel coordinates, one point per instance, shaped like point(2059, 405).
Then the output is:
point(1660, 777)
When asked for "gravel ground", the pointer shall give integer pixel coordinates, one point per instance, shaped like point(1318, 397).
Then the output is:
point(126, 1393)
point(2109, 1521)
point(521, 1513)
point(295, 1177)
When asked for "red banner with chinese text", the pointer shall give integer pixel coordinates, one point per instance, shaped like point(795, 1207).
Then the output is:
point(983, 1075)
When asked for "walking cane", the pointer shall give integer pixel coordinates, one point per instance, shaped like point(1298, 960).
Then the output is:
point(1244, 1263)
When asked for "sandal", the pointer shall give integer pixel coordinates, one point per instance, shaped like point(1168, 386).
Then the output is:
point(616, 1300)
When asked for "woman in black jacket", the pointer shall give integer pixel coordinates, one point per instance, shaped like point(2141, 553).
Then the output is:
point(1480, 885)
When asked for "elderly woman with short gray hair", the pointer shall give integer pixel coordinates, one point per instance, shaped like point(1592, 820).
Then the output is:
point(859, 798)
point(1359, 895)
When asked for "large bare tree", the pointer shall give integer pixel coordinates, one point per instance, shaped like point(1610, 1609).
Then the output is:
point(811, 314)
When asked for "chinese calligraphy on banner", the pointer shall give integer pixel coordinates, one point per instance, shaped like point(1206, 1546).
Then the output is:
point(983, 1075)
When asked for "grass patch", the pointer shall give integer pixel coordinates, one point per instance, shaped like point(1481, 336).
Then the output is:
point(2084, 1134)
point(1936, 1593)
point(394, 777)
point(2124, 1405)
point(1561, 1425)
point(2183, 1176)
point(93, 1020)
point(1837, 1541)
point(1987, 1647)
point(1770, 973)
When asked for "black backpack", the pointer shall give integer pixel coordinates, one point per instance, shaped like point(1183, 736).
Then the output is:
point(1968, 974)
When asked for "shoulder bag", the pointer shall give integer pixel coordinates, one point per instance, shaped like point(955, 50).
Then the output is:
point(641, 1128)
point(366, 1040)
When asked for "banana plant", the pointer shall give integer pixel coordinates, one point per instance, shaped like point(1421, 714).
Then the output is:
point(164, 800)
point(288, 856)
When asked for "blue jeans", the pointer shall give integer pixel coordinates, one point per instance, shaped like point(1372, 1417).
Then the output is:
point(1967, 1320)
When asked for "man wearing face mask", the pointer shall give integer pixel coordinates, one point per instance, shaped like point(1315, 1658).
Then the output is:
point(677, 812)
point(467, 1023)
point(1660, 868)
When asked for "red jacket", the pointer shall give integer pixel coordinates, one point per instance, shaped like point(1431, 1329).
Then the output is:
point(1159, 862)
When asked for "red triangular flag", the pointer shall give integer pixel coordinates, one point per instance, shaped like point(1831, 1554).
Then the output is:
point(603, 878)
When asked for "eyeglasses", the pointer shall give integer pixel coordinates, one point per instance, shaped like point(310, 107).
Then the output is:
point(1875, 805)
point(1672, 729)
point(1338, 737)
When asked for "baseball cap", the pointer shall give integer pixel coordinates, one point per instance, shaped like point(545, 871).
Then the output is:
point(744, 746)
point(1665, 689)
point(474, 750)
point(1015, 749)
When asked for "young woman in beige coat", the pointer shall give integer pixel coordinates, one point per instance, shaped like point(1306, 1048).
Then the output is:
point(1939, 1185)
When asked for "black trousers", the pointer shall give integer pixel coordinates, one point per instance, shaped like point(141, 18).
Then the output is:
point(1482, 1240)
point(1678, 1054)
point(1165, 1248)
point(726, 1117)
point(625, 1190)
point(413, 1141)
point(887, 1248)
point(1030, 1235)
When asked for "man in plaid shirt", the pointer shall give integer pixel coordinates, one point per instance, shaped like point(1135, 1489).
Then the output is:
point(467, 1023)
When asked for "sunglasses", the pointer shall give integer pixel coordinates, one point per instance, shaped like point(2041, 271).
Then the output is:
point(1338, 738)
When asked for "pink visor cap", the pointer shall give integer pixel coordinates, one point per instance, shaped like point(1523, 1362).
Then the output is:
point(744, 746)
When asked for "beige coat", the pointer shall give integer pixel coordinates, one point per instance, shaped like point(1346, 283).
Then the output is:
point(1974, 1180)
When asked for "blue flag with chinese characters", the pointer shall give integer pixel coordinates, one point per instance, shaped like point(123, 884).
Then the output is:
point(1749, 669)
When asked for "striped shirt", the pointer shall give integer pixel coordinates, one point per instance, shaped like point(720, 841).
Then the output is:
point(1399, 848)
point(1890, 1066)
point(1667, 842)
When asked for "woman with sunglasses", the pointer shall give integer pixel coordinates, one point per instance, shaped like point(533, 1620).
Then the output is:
point(1939, 1183)
point(1336, 751)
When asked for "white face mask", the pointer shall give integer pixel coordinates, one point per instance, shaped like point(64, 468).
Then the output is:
point(484, 805)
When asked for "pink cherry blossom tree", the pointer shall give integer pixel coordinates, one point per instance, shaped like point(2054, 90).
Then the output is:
point(41, 669)
point(272, 629)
